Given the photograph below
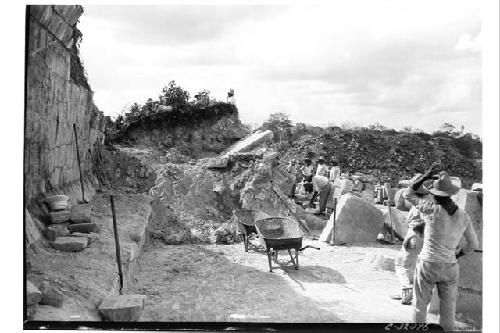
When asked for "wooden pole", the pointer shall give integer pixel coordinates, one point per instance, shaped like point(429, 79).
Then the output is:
point(332, 242)
point(79, 164)
point(390, 218)
point(117, 243)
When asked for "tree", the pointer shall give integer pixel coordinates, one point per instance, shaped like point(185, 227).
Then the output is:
point(174, 95)
point(280, 124)
point(202, 98)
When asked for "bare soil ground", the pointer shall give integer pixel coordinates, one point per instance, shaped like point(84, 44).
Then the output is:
point(223, 283)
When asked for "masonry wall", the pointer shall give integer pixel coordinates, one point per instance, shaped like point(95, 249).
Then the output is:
point(57, 97)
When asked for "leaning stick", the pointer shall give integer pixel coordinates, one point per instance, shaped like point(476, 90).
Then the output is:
point(79, 165)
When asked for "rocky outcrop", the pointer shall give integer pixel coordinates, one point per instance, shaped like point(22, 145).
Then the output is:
point(192, 138)
point(57, 96)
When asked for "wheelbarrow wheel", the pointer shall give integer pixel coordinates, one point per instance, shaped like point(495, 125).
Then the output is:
point(245, 242)
point(269, 260)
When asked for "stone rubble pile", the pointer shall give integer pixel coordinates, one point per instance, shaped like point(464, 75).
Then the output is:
point(71, 228)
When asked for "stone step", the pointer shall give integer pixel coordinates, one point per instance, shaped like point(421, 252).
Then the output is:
point(33, 294)
point(122, 308)
point(60, 216)
point(70, 244)
point(83, 227)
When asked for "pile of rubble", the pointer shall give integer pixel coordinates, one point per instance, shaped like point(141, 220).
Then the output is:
point(385, 155)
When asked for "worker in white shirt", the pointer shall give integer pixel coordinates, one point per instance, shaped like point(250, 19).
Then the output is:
point(322, 169)
point(307, 170)
point(322, 187)
point(334, 171)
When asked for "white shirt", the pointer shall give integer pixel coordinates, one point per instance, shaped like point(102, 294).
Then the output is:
point(322, 170)
point(334, 173)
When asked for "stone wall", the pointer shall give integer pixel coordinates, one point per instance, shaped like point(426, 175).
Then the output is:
point(55, 101)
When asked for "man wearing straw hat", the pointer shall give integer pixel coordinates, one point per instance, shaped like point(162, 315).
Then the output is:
point(444, 225)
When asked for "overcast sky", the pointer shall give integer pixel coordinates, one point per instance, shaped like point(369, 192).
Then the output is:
point(399, 63)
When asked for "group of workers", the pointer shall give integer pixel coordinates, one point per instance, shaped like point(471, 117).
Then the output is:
point(316, 183)
point(428, 257)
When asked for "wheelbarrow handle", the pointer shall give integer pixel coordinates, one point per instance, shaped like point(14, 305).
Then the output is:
point(309, 247)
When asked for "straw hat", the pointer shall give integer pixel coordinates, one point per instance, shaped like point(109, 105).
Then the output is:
point(443, 186)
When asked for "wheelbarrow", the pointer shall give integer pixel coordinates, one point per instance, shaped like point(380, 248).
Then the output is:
point(246, 222)
point(280, 233)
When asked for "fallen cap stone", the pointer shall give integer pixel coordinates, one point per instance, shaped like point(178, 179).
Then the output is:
point(82, 227)
point(122, 308)
point(60, 216)
point(70, 244)
point(33, 294)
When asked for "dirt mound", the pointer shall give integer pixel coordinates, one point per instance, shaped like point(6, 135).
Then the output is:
point(389, 155)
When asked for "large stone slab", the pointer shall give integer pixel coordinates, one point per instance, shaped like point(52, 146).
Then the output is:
point(60, 216)
point(342, 186)
point(122, 308)
point(470, 201)
point(399, 221)
point(81, 214)
point(356, 221)
point(251, 141)
point(83, 227)
point(70, 244)
point(33, 294)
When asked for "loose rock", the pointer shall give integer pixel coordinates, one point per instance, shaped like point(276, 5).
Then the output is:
point(83, 227)
point(56, 230)
point(70, 244)
point(91, 237)
point(357, 221)
point(122, 308)
point(50, 295)
point(60, 216)
point(33, 294)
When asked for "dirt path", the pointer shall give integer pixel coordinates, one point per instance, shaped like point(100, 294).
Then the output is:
point(223, 283)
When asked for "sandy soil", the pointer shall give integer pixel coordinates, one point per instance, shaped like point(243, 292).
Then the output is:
point(223, 283)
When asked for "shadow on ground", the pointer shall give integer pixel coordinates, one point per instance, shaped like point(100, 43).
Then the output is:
point(206, 286)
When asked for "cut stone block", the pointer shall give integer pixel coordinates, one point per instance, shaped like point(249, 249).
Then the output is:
point(399, 221)
point(33, 294)
point(60, 217)
point(471, 272)
point(51, 296)
point(356, 221)
point(57, 202)
point(251, 141)
point(217, 163)
point(122, 308)
point(91, 237)
point(83, 227)
point(380, 262)
point(54, 231)
point(70, 244)
point(81, 214)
